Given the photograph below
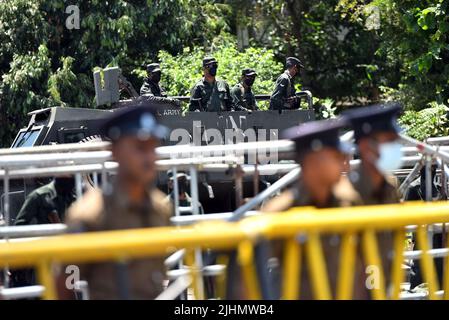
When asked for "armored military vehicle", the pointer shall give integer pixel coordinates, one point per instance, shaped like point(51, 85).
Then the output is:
point(59, 125)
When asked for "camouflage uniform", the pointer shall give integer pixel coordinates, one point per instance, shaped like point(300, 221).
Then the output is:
point(283, 90)
point(41, 202)
point(98, 211)
point(213, 97)
point(243, 99)
point(155, 89)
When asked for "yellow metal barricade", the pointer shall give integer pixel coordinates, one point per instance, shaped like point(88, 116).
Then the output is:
point(356, 224)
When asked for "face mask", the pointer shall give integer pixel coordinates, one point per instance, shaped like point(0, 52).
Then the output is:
point(213, 70)
point(156, 77)
point(249, 81)
point(390, 157)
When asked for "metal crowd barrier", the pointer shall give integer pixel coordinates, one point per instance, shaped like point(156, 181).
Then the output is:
point(299, 228)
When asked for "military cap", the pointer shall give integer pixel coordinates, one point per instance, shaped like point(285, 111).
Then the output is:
point(136, 119)
point(316, 135)
point(373, 119)
point(294, 61)
point(249, 72)
point(209, 60)
point(153, 67)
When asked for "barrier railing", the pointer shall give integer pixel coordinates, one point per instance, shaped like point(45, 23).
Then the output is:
point(242, 236)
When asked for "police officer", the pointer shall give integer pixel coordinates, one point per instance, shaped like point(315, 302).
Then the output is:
point(132, 201)
point(242, 94)
point(48, 203)
point(209, 93)
point(376, 135)
point(183, 196)
point(321, 156)
point(151, 84)
point(283, 96)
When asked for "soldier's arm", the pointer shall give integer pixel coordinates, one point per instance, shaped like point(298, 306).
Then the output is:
point(145, 89)
point(29, 210)
point(230, 106)
point(195, 99)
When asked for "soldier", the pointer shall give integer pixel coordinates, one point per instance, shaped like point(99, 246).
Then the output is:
point(376, 136)
point(184, 197)
point(209, 93)
point(242, 94)
point(151, 84)
point(48, 203)
point(283, 96)
point(132, 201)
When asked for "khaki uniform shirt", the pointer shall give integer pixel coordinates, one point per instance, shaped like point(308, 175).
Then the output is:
point(343, 195)
point(113, 211)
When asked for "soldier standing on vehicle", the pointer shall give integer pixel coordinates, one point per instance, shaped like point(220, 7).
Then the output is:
point(151, 84)
point(283, 96)
point(132, 201)
point(321, 184)
point(210, 94)
point(242, 94)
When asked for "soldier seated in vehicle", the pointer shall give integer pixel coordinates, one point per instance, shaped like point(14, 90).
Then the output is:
point(185, 201)
point(209, 93)
point(151, 84)
point(132, 201)
point(242, 94)
point(283, 96)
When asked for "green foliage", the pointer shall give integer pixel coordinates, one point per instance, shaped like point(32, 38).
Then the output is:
point(182, 71)
point(426, 123)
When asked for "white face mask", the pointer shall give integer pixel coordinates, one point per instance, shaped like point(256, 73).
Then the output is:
point(390, 157)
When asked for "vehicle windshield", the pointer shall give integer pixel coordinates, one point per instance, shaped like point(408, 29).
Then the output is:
point(26, 139)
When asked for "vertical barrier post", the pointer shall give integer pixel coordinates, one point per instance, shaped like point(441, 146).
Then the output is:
point(292, 270)
point(45, 277)
point(345, 282)
point(427, 264)
point(7, 220)
point(245, 258)
point(317, 267)
point(397, 273)
point(372, 258)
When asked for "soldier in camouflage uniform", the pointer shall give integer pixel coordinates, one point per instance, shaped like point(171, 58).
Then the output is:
point(283, 96)
point(151, 84)
point(242, 94)
point(209, 93)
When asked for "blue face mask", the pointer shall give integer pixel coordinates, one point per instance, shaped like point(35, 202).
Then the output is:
point(390, 157)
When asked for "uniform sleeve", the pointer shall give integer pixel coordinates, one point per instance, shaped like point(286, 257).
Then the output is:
point(229, 103)
point(195, 99)
point(29, 210)
point(145, 89)
point(237, 99)
point(279, 94)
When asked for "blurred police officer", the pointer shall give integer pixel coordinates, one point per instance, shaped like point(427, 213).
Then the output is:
point(376, 133)
point(210, 93)
point(132, 201)
point(151, 84)
point(185, 201)
point(242, 94)
point(321, 156)
point(283, 96)
point(377, 137)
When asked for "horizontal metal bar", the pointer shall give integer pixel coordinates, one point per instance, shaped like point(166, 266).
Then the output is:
point(436, 253)
point(419, 295)
point(191, 219)
point(22, 292)
point(57, 148)
point(39, 230)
